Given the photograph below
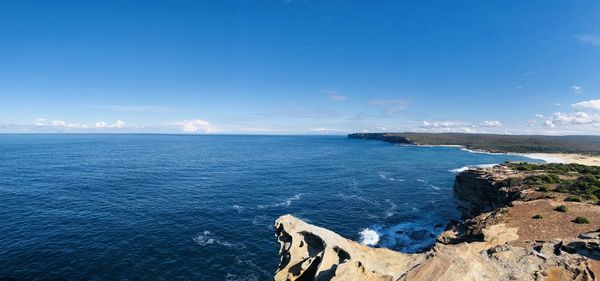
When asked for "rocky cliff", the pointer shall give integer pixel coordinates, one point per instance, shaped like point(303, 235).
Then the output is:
point(497, 244)
point(393, 138)
point(481, 190)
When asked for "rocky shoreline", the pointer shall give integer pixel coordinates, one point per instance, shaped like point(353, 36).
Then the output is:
point(583, 150)
point(511, 231)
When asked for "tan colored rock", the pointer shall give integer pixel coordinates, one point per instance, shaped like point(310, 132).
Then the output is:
point(498, 240)
point(309, 252)
point(313, 253)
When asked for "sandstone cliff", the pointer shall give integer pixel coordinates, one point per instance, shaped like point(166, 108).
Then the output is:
point(504, 244)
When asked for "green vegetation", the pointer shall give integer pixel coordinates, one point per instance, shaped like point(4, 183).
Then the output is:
point(581, 220)
point(542, 179)
point(496, 143)
point(583, 182)
point(538, 217)
point(555, 169)
point(573, 199)
point(544, 188)
point(586, 186)
point(562, 209)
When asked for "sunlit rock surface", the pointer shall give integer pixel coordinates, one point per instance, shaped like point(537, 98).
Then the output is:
point(501, 241)
point(309, 252)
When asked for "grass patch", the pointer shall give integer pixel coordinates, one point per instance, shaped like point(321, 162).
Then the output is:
point(581, 220)
point(573, 199)
point(562, 209)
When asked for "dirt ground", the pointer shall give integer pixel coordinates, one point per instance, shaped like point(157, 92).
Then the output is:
point(554, 224)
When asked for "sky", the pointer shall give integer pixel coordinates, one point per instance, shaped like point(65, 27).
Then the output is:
point(300, 66)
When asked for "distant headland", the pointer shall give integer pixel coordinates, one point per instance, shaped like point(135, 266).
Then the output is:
point(581, 149)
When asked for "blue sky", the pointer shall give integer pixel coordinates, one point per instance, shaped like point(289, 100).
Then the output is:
point(300, 66)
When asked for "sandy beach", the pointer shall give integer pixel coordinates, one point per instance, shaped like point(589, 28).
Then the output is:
point(566, 158)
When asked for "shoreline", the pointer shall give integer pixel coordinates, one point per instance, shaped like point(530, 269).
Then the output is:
point(566, 158)
point(513, 233)
point(561, 158)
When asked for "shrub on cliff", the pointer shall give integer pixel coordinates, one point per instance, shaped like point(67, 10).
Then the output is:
point(538, 217)
point(541, 179)
point(573, 199)
point(581, 220)
point(562, 209)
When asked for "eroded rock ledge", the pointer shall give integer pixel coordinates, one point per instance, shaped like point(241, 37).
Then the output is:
point(503, 244)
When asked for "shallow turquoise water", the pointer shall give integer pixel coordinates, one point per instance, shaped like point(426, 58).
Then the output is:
point(164, 207)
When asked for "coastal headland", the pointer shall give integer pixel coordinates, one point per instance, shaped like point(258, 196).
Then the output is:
point(520, 221)
point(577, 149)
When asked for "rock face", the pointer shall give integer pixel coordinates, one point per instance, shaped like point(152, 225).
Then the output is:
point(393, 138)
point(478, 191)
point(313, 253)
point(496, 245)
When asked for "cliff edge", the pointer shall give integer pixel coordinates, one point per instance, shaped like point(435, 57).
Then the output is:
point(499, 239)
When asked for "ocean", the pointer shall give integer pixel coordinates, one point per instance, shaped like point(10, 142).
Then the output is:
point(202, 207)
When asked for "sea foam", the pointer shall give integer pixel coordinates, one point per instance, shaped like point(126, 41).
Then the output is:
point(286, 202)
point(408, 237)
point(464, 168)
point(369, 237)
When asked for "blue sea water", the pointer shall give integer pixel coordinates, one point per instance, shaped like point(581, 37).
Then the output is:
point(183, 207)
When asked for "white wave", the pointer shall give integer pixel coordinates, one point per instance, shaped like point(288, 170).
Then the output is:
point(464, 168)
point(407, 237)
point(486, 152)
point(355, 197)
point(546, 158)
point(369, 237)
point(390, 211)
point(263, 221)
point(207, 238)
point(247, 261)
point(237, 208)
point(286, 202)
point(387, 176)
point(249, 276)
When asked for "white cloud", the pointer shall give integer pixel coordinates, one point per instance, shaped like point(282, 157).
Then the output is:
point(577, 89)
point(390, 106)
point(492, 123)
point(539, 116)
point(196, 126)
point(587, 38)
point(326, 130)
point(118, 124)
point(62, 125)
point(590, 105)
point(572, 119)
point(334, 95)
point(453, 126)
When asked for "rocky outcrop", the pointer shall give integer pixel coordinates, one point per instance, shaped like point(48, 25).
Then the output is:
point(309, 252)
point(393, 138)
point(498, 240)
point(483, 190)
